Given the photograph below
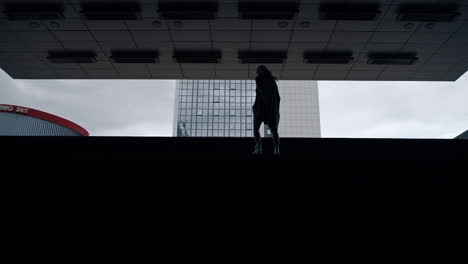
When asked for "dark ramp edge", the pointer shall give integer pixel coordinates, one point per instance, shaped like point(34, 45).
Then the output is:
point(311, 160)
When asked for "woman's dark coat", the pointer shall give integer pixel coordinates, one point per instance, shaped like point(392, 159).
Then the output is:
point(267, 102)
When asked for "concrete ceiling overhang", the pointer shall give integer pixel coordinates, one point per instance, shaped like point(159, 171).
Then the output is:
point(388, 40)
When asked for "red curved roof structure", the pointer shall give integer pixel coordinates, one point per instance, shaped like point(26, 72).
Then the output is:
point(14, 109)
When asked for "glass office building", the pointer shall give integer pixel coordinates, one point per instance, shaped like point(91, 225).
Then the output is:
point(223, 108)
point(299, 109)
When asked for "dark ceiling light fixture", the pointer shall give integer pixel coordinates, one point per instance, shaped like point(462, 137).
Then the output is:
point(272, 10)
point(427, 13)
point(140, 56)
point(177, 10)
point(405, 58)
point(336, 57)
point(34, 11)
point(197, 56)
point(111, 10)
point(350, 11)
point(268, 57)
point(72, 56)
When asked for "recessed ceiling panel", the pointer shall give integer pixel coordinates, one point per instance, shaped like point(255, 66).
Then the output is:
point(304, 40)
point(38, 10)
point(184, 10)
point(392, 58)
point(111, 10)
point(72, 56)
point(268, 10)
point(271, 57)
point(135, 56)
point(349, 11)
point(197, 56)
point(428, 13)
point(329, 57)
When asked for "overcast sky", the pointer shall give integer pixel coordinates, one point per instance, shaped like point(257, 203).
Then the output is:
point(348, 109)
point(103, 107)
point(394, 109)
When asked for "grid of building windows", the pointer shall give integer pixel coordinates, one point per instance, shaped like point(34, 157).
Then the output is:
point(214, 108)
point(300, 113)
point(223, 108)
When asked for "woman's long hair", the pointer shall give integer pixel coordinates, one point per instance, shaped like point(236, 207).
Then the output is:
point(262, 70)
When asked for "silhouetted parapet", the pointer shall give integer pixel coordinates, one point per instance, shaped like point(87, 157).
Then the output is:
point(302, 160)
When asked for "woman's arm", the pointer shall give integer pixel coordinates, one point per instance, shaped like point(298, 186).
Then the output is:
point(276, 91)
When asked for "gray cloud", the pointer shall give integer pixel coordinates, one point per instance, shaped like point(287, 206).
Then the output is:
point(103, 107)
point(394, 109)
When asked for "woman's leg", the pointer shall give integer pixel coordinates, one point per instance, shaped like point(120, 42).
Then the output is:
point(276, 140)
point(256, 131)
point(258, 140)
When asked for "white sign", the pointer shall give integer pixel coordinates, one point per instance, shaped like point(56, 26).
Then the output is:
point(14, 109)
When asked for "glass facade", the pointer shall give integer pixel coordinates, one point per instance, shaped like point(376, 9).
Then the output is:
point(300, 113)
point(223, 108)
point(214, 108)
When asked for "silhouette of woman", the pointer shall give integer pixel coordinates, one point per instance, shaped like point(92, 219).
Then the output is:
point(266, 108)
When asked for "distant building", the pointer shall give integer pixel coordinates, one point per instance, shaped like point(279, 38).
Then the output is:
point(223, 108)
point(23, 121)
